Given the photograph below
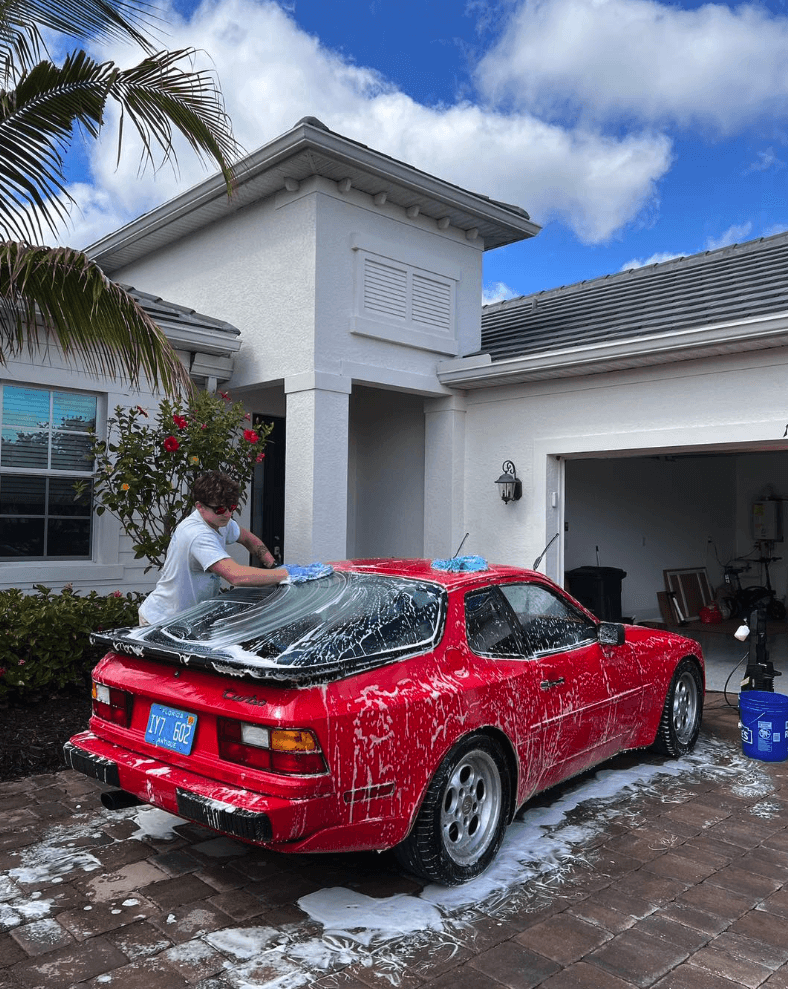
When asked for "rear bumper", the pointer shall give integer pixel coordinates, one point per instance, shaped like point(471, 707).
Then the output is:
point(257, 818)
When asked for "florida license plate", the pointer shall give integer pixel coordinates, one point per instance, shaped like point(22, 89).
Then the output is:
point(171, 729)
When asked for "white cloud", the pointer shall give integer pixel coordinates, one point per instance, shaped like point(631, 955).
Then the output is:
point(272, 73)
point(640, 60)
point(497, 292)
point(764, 161)
point(735, 234)
point(654, 259)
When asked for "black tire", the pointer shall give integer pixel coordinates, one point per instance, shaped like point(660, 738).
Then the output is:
point(462, 821)
point(682, 712)
point(775, 610)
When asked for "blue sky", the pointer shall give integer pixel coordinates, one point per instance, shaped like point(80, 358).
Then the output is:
point(632, 130)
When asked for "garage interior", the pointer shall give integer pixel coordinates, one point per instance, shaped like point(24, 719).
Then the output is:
point(682, 510)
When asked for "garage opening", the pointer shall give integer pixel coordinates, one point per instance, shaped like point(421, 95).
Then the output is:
point(677, 511)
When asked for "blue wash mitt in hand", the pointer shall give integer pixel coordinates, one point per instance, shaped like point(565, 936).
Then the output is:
point(460, 564)
point(314, 571)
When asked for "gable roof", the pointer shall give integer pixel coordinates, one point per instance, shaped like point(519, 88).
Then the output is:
point(723, 301)
point(308, 149)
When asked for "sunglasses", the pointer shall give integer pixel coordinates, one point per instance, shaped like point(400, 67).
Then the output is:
point(220, 509)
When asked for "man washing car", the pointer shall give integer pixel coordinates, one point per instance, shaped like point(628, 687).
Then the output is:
point(197, 557)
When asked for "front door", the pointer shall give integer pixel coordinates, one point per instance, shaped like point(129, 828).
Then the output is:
point(268, 488)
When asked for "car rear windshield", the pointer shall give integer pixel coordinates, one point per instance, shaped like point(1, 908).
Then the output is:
point(342, 618)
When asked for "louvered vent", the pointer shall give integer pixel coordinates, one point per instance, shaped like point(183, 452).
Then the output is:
point(385, 289)
point(403, 303)
point(431, 303)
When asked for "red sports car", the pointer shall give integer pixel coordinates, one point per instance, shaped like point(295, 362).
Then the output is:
point(388, 704)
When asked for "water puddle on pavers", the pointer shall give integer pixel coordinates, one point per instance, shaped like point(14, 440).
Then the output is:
point(398, 934)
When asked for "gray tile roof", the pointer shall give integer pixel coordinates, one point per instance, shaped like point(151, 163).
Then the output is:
point(730, 284)
point(172, 317)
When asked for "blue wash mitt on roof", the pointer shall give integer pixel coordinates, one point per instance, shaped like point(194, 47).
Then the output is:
point(314, 571)
point(458, 564)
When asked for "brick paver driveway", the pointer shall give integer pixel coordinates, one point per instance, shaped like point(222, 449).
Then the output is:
point(645, 873)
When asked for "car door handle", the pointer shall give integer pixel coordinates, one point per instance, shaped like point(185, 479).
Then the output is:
point(547, 684)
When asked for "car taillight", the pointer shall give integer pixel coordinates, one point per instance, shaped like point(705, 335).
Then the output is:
point(278, 750)
point(112, 704)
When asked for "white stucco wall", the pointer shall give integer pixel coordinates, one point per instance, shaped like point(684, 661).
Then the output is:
point(733, 403)
point(386, 457)
point(284, 272)
point(287, 272)
point(256, 270)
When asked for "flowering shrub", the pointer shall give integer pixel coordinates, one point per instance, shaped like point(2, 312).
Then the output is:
point(146, 467)
point(44, 637)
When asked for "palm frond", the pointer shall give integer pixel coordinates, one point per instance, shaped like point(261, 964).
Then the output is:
point(36, 127)
point(159, 98)
point(20, 22)
point(38, 116)
point(58, 296)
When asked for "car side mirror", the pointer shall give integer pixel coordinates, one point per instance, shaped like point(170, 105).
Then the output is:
point(611, 634)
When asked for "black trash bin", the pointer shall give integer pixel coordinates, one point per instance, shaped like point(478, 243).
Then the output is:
point(599, 589)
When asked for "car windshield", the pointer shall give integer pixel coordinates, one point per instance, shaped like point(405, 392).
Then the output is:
point(341, 618)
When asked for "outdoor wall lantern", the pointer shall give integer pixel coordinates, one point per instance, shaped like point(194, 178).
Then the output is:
point(511, 487)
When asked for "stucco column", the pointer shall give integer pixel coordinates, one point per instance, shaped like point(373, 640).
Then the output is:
point(316, 467)
point(444, 475)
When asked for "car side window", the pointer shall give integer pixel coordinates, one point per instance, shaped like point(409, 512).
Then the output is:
point(489, 625)
point(549, 622)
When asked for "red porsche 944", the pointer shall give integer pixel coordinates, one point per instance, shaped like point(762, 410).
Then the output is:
point(388, 704)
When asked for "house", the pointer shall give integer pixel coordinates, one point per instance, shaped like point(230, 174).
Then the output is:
point(644, 412)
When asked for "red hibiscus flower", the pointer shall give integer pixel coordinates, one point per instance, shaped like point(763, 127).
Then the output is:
point(259, 457)
point(142, 411)
point(250, 436)
point(171, 444)
point(180, 422)
point(225, 396)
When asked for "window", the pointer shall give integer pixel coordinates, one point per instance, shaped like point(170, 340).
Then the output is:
point(44, 449)
point(489, 625)
point(337, 620)
point(549, 623)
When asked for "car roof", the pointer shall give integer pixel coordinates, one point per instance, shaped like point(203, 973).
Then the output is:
point(424, 570)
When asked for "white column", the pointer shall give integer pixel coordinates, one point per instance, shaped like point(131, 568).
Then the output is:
point(444, 475)
point(316, 467)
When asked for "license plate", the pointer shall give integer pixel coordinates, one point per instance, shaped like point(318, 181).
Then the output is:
point(171, 729)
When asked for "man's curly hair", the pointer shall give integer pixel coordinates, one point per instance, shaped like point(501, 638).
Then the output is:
point(216, 488)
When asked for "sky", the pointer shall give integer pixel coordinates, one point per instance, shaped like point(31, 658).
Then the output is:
point(632, 131)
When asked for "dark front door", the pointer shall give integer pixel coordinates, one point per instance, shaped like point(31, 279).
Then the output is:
point(268, 488)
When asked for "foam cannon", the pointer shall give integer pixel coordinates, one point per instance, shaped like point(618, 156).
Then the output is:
point(760, 672)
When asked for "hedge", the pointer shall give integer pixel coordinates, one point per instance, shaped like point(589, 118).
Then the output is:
point(44, 637)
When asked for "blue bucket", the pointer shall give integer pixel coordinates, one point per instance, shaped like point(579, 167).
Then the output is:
point(764, 725)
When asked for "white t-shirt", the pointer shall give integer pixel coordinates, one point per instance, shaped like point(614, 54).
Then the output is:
point(185, 579)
